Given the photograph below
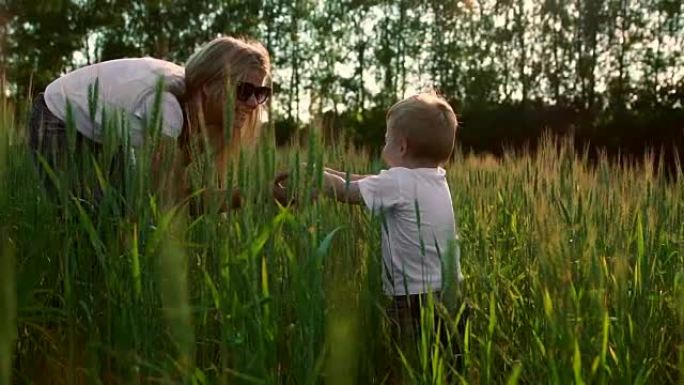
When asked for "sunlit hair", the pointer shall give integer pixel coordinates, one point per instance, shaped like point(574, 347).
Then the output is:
point(216, 67)
point(428, 123)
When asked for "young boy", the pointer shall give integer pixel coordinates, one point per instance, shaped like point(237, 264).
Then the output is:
point(419, 249)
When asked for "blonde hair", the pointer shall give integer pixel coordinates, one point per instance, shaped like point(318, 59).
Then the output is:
point(428, 123)
point(218, 66)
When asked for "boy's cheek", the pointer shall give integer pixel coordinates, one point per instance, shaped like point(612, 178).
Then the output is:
point(388, 157)
point(384, 154)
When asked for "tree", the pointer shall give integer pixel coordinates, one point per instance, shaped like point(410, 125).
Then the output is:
point(43, 37)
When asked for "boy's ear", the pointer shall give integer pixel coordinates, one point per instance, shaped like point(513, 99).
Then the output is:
point(403, 146)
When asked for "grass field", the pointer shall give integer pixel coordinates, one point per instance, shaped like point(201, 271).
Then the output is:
point(575, 274)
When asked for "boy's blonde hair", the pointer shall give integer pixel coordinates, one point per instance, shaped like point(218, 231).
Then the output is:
point(428, 123)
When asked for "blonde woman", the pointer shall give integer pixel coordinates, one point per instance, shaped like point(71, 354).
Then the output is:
point(192, 102)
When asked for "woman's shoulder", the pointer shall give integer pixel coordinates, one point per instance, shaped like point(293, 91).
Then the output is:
point(162, 64)
point(146, 66)
point(140, 66)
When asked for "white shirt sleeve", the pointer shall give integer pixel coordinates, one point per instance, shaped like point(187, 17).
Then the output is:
point(171, 113)
point(380, 192)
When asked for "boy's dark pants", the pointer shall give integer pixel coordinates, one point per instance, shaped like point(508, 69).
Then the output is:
point(404, 313)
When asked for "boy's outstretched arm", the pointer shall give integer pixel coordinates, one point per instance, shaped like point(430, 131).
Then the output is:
point(343, 174)
point(337, 187)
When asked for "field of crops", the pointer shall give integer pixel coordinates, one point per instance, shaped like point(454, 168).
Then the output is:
point(574, 272)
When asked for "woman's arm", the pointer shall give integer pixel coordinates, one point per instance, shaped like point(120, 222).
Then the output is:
point(227, 200)
point(168, 171)
point(170, 179)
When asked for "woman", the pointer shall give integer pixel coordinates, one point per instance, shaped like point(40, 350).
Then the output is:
point(191, 102)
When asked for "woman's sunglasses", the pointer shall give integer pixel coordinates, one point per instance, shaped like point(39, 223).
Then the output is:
point(246, 90)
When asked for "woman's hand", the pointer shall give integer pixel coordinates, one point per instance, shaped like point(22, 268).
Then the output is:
point(235, 199)
point(279, 189)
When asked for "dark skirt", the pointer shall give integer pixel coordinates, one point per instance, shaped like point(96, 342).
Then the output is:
point(63, 156)
point(47, 134)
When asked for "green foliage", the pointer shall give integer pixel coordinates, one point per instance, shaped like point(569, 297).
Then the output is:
point(574, 273)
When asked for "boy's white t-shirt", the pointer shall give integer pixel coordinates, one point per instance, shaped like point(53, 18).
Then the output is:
point(126, 91)
point(416, 209)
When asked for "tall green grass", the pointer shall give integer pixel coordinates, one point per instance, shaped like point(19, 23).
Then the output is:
point(575, 274)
